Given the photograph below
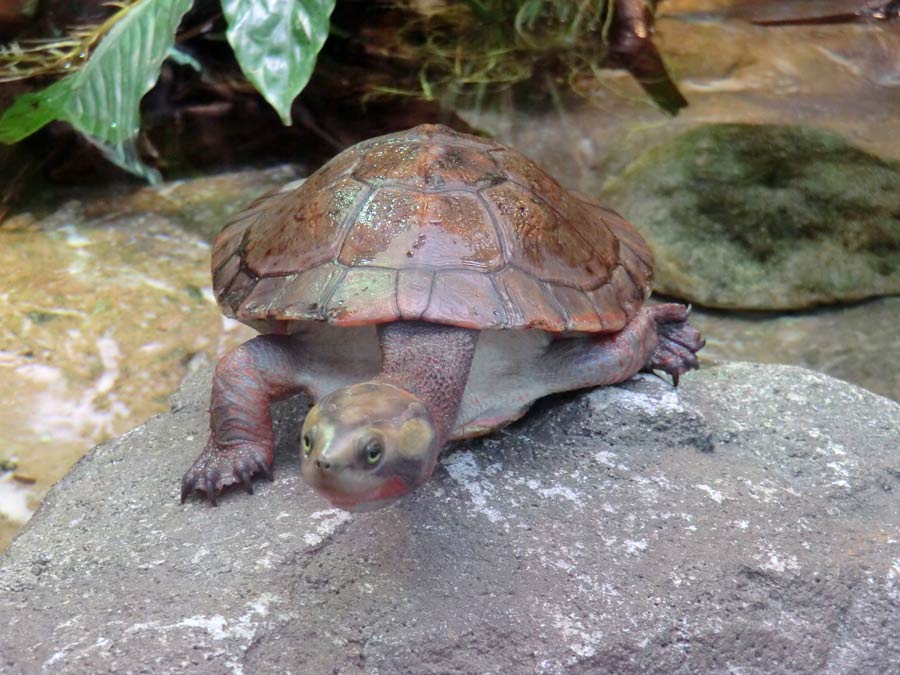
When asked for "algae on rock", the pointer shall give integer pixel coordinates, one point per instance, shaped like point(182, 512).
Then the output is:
point(765, 216)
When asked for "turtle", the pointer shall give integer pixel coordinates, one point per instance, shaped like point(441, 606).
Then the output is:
point(420, 287)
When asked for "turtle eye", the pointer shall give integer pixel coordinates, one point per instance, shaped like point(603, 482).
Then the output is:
point(373, 451)
point(307, 443)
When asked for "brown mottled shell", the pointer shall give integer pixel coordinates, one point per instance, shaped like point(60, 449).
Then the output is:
point(431, 225)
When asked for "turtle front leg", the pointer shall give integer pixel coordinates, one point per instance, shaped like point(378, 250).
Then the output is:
point(241, 440)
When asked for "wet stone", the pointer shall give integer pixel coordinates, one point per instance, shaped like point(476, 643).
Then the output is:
point(858, 343)
point(765, 217)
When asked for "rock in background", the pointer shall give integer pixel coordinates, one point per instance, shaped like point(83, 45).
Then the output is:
point(746, 522)
point(858, 342)
point(745, 216)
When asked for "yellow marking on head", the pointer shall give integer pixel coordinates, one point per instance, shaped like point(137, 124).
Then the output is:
point(312, 416)
point(414, 437)
point(321, 432)
point(341, 428)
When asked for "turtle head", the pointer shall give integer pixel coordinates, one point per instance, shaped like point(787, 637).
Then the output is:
point(366, 445)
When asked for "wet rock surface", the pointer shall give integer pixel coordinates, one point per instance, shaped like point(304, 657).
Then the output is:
point(746, 521)
point(765, 217)
point(858, 343)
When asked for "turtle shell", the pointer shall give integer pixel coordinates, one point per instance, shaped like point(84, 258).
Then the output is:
point(432, 225)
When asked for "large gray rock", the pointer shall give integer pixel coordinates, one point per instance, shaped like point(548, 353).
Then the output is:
point(765, 216)
point(747, 522)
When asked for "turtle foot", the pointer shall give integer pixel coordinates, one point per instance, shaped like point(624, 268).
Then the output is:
point(679, 342)
point(218, 467)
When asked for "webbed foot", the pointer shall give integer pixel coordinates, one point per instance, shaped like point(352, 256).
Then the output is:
point(218, 467)
point(679, 342)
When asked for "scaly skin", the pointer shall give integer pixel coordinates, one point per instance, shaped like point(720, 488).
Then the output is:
point(658, 338)
point(241, 441)
point(427, 360)
point(429, 365)
point(430, 361)
point(677, 342)
point(368, 444)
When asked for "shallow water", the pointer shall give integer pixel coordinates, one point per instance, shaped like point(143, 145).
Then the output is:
point(101, 320)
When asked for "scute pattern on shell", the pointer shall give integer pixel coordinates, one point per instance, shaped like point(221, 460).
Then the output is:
point(434, 225)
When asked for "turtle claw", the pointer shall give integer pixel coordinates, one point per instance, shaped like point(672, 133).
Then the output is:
point(218, 467)
point(244, 479)
point(264, 469)
point(187, 487)
point(678, 342)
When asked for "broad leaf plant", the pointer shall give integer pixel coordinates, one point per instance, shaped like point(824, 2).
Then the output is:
point(276, 43)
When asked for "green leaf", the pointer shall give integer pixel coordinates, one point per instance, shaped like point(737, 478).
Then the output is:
point(32, 111)
point(126, 155)
point(105, 103)
point(276, 44)
point(102, 100)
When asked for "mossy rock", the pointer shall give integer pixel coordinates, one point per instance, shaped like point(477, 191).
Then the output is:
point(765, 217)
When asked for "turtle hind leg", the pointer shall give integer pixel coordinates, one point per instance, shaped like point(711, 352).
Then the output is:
point(500, 391)
point(677, 341)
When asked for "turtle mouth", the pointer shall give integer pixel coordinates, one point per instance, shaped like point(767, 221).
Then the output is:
point(363, 506)
point(388, 493)
point(357, 504)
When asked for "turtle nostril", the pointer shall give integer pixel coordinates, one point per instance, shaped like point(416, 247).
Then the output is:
point(323, 463)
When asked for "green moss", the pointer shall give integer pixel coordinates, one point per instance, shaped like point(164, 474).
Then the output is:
point(194, 293)
point(766, 216)
point(40, 317)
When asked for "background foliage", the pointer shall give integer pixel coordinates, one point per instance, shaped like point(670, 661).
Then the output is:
point(276, 45)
